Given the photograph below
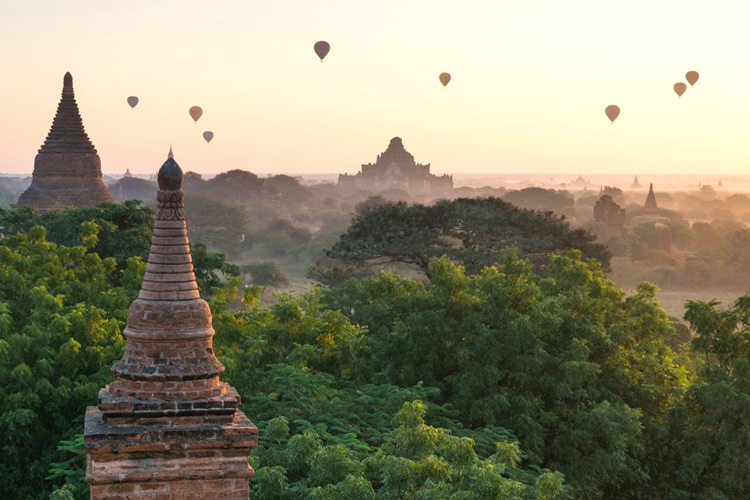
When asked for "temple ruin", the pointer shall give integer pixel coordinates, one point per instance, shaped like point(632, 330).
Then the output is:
point(395, 168)
point(67, 168)
point(167, 427)
point(609, 212)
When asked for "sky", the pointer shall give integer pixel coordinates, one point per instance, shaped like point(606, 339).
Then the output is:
point(530, 81)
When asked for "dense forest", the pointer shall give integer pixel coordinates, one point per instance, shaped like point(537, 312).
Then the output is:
point(499, 364)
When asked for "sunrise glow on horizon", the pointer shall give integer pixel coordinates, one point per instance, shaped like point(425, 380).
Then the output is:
point(530, 81)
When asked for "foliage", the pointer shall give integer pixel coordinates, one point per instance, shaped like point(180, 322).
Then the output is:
point(266, 274)
point(578, 371)
point(470, 231)
point(710, 426)
point(60, 321)
point(219, 225)
point(417, 461)
point(561, 202)
point(208, 265)
point(124, 231)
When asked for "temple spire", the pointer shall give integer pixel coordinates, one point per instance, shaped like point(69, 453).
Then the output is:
point(168, 424)
point(67, 134)
point(650, 205)
point(67, 169)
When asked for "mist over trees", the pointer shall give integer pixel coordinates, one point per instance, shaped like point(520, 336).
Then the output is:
point(498, 359)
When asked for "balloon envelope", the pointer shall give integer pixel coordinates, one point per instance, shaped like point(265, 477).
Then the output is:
point(195, 113)
point(445, 78)
point(691, 77)
point(322, 48)
point(612, 112)
point(680, 88)
point(208, 135)
point(133, 101)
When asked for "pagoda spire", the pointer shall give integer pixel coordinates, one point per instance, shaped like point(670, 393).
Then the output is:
point(67, 134)
point(67, 168)
point(167, 406)
point(650, 205)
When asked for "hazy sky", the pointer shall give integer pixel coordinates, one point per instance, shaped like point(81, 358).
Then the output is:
point(530, 83)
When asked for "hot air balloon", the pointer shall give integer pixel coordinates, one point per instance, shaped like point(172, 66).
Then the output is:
point(691, 77)
point(195, 113)
point(679, 88)
point(133, 101)
point(322, 48)
point(445, 78)
point(612, 112)
point(208, 135)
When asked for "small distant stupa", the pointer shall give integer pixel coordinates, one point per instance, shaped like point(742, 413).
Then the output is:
point(127, 174)
point(650, 210)
point(635, 184)
point(67, 169)
point(650, 207)
point(720, 184)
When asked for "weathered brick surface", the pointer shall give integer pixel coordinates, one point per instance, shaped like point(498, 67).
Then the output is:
point(167, 427)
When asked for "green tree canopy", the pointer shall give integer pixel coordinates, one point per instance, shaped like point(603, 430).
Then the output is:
point(470, 231)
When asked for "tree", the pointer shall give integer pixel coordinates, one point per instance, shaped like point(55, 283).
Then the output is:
point(710, 426)
point(60, 321)
point(234, 186)
point(560, 202)
point(577, 370)
point(123, 231)
point(470, 231)
point(266, 274)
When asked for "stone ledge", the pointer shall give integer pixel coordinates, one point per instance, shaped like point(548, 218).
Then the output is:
point(133, 442)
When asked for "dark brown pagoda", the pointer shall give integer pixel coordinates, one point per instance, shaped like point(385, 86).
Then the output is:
point(67, 169)
point(650, 207)
point(167, 427)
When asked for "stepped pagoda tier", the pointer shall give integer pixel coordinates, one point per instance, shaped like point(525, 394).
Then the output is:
point(396, 168)
point(168, 426)
point(67, 169)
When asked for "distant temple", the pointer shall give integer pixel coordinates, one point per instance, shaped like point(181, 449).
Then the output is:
point(635, 184)
point(395, 168)
point(127, 174)
point(650, 210)
point(67, 169)
point(579, 182)
point(609, 212)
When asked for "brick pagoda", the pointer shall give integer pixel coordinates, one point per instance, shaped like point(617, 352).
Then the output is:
point(67, 169)
point(167, 427)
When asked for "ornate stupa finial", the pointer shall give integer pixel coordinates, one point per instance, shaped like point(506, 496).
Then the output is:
point(170, 174)
point(68, 82)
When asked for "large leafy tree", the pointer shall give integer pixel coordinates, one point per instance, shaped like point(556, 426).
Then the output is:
point(710, 427)
point(60, 321)
point(579, 372)
point(470, 231)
